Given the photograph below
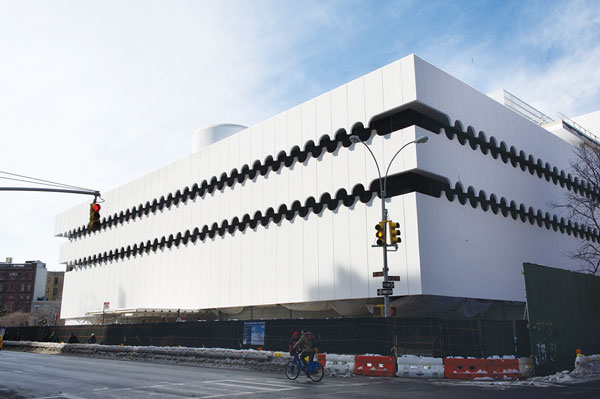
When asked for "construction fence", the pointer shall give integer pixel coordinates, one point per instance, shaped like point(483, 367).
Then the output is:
point(563, 315)
point(423, 336)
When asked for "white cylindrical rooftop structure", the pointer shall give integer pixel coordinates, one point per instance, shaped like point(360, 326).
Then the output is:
point(211, 134)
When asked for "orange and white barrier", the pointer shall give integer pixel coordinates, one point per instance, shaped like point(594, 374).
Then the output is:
point(340, 364)
point(420, 367)
point(504, 369)
point(493, 368)
point(379, 366)
point(466, 369)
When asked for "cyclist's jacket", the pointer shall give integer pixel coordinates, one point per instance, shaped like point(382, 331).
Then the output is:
point(305, 343)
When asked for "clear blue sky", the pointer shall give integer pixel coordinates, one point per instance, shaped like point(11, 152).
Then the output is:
point(99, 93)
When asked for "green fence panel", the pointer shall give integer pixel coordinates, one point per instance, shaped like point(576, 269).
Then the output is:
point(564, 315)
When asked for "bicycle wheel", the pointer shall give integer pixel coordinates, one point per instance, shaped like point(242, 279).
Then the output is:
point(316, 372)
point(292, 370)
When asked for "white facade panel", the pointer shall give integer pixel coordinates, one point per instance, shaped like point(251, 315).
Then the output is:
point(339, 110)
point(373, 94)
point(311, 267)
point(324, 258)
point(257, 267)
point(270, 269)
point(283, 283)
point(341, 270)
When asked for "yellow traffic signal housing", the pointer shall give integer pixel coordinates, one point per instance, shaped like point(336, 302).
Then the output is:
point(394, 233)
point(380, 233)
point(379, 311)
point(94, 223)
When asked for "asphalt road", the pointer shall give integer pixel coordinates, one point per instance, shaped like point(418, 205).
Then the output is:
point(28, 375)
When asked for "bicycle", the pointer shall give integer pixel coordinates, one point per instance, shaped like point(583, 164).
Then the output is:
point(315, 369)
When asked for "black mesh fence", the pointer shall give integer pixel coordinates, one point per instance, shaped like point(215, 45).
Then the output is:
point(426, 337)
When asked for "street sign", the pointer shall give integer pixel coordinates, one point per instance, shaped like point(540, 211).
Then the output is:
point(106, 305)
point(377, 274)
point(394, 278)
point(387, 284)
point(384, 291)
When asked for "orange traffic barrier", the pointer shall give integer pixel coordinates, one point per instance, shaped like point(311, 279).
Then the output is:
point(321, 359)
point(380, 366)
point(466, 369)
point(469, 369)
point(502, 369)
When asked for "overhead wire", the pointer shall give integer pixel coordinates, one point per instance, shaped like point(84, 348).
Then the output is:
point(34, 180)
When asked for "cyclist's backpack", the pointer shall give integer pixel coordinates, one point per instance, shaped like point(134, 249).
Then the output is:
point(313, 340)
point(293, 340)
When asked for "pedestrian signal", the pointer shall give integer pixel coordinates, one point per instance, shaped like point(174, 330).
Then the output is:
point(380, 233)
point(394, 233)
point(94, 223)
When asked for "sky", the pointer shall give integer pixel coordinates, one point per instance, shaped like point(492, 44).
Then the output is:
point(96, 94)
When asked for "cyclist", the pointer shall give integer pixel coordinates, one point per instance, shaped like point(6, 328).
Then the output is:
point(306, 347)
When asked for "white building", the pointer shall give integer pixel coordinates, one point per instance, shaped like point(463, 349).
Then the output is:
point(283, 212)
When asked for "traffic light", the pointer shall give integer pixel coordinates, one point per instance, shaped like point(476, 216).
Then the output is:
point(394, 233)
point(380, 233)
point(379, 311)
point(94, 217)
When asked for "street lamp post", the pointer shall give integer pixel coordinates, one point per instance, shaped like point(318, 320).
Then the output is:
point(382, 194)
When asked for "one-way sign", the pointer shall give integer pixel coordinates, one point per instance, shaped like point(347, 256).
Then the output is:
point(384, 291)
point(387, 284)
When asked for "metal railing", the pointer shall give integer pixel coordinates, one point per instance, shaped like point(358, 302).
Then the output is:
point(522, 108)
point(579, 129)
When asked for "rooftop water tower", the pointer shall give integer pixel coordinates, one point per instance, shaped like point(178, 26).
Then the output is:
point(211, 134)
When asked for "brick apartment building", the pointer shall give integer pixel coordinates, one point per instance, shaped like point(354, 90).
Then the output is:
point(20, 284)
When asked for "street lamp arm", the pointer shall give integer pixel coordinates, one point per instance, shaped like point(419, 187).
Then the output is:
point(376, 165)
point(417, 141)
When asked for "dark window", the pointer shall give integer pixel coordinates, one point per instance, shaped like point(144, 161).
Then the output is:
point(22, 287)
point(55, 280)
point(54, 291)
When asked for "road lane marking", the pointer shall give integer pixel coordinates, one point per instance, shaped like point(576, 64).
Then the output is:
point(229, 394)
point(265, 383)
point(238, 384)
